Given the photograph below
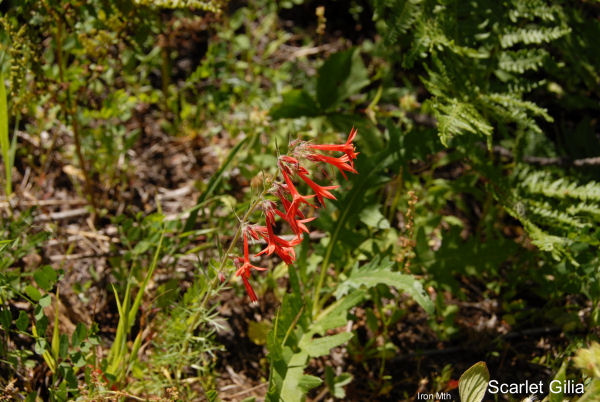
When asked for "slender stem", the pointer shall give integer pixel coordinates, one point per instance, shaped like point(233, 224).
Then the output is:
point(325, 265)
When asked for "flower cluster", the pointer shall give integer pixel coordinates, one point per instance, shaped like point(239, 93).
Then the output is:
point(292, 202)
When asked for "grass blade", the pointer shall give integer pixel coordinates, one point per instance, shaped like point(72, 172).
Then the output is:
point(55, 346)
point(4, 142)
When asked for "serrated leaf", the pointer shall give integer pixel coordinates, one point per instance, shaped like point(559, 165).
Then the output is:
point(335, 314)
point(321, 346)
point(376, 273)
point(296, 103)
point(473, 383)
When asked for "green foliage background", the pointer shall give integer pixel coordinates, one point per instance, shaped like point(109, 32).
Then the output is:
point(479, 180)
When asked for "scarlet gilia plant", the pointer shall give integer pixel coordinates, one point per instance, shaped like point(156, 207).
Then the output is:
point(303, 156)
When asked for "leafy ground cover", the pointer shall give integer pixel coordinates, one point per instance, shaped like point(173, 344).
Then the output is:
point(448, 153)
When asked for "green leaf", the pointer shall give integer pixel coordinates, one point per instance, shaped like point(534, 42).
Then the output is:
point(561, 377)
point(296, 103)
point(343, 74)
point(78, 335)
point(376, 273)
point(321, 346)
point(308, 382)
point(45, 301)
point(5, 319)
point(33, 293)
point(473, 383)
point(55, 331)
point(23, 321)
point(40, 346)
point(63, 346)
point(336, 383)
point(373, 218)
point(335, 315)
point(45, 277)
point(291, 383)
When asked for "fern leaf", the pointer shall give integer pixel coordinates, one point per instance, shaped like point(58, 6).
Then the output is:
point(557, 246)
point(553, 217)
point(511, 102)
point(542, 182)
point(457, 118)
point(522, 60)
point(531, 35)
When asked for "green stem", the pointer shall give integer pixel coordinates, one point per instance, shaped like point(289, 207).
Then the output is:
point(318, 303)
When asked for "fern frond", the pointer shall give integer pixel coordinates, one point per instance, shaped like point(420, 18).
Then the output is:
point(542, 183)
point(511, 102)
point(457, 118)
point(519, 61)
point(557, 246)
point(553, 217)
point(521, 86)
point(404, 13)
point(530, 10)
point(585, 208)
point(531, 35)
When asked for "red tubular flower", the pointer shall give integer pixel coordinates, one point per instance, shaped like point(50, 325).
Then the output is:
point(302, 226)
point(297, 199)
point(287, 254)
point(249, 290)
point(347, 148)
point(320, 191)
point(341, 162)
point(284, 201)
point(244, 270)
point(290, 168)
point(275, 244)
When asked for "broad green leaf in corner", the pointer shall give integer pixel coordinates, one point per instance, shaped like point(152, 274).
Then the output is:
point(473, 383)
